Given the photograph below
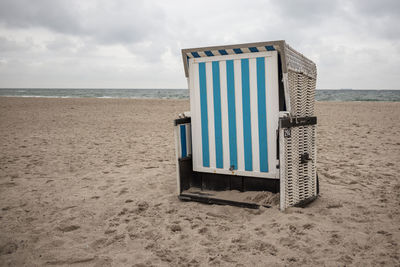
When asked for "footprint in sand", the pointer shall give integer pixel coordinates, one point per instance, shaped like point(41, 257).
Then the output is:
point(68, 228)
point(308, 226)
point(334, 205)
point(175, 228)
point(335, 239)
point(292, 259)
point(346, 259)
point(99, 243)
point(288, 242)
point(8, 184)
point(123, 191)
point(103, 187)
point(264, 247)
point(116, 238)
point(225, 228)
point(8, 248)
point(141, 207)
point(122, 212)
point(203, 230)
point(110, 231)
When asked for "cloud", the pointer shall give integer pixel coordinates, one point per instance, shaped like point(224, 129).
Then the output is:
point(55, 15)
point(9, 46)
point(119, 21)
point(123, 43)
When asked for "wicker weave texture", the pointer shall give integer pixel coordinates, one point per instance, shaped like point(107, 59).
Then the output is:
point(297, 62)
point(302, 94)
point(300, 178)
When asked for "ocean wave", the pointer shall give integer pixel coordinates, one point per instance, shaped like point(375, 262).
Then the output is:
point(321, 95)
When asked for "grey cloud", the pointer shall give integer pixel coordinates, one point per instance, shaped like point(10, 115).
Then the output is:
point(307, 10)
point(380, 18)
point(86, 42)
point(52, 14)
point(119, 21)
point(60, 44)
point(382, 8)
point(7, 45)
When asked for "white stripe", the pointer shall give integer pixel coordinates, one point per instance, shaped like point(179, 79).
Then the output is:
point(230, 51)
point(179, 141)
point(178, 180)
point(254, 114)
point(196, 116)
point(188, 140)
point(189, 55)
point(245, 50)
point(202, 54)
point(210, 110)
point(224, 114)
point(272, 103)
point(239, 114)
point(215, 52)
point(261, 48)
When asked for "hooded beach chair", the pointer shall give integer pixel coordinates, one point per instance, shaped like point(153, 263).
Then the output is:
point(251, 125)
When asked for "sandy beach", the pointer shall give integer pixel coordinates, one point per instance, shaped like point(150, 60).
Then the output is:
point(92, 182)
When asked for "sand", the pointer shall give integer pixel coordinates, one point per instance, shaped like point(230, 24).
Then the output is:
point(91, 182)
point(259, 198)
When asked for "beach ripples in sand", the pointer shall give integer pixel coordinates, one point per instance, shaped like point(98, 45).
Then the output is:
point(92, 182)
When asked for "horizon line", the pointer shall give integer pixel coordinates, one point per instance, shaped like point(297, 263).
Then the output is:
point(121, 88)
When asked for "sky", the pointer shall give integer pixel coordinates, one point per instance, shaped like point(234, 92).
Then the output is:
point(137, 44)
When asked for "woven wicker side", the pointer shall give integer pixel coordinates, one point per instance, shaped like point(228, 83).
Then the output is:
point(301, 93)
point(302, 75)
point(299, 179)
point(297, 62)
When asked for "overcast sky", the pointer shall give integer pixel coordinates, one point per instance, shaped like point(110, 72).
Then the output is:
point(136, 44)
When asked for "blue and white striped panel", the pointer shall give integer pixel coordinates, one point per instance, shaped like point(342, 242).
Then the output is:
point(223, 52)
point(230, 114)
point(184, 140)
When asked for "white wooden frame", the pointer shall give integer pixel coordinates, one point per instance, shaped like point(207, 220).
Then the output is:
point(272, 103)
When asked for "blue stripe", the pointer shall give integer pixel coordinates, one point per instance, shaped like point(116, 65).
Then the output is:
point(270, 48)
point(230, 80)
point(253, 49)
point(262, 115)
point(248, 157)
point(195, 54)
point(183, 141)
point(217, 115)
point(223, 52)
point(237, 51)
point(204, 114)
point(209, 53)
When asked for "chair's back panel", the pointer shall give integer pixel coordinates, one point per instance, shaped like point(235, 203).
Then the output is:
point(235, 113)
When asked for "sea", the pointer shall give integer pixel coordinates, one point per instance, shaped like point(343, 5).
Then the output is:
point(321, 94)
